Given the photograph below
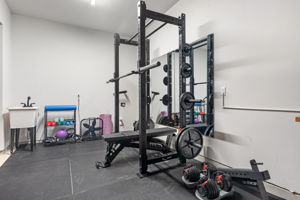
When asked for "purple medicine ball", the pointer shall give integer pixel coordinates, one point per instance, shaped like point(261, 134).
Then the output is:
point(61, 133)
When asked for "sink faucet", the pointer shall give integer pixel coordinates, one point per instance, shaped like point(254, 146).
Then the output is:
point(28, 104)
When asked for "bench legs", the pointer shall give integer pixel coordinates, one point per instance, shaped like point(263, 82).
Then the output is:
point(112, 150)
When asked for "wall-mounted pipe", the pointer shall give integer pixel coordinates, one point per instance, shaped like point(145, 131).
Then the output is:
point(258, 109)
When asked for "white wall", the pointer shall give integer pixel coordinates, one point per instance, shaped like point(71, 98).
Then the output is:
point(256, 57)
point(53, 62)
point(5, 59)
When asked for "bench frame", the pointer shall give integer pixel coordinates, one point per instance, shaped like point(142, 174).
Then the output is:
point(118, 141)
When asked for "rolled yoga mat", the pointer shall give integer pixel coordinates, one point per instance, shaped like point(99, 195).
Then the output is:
point(107, 123)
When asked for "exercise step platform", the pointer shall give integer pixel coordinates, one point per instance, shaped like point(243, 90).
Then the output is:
point(134, 135)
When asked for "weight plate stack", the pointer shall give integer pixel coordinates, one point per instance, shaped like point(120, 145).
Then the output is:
point(209, 189)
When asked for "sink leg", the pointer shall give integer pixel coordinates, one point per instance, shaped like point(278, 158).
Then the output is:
point(31, 138)
point(34, 136)
point(12, 134)
point(17, 137)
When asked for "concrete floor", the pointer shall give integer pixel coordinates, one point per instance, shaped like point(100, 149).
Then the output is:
point(68, 172)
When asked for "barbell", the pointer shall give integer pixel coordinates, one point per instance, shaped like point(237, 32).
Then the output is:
point(187, 101)
point(139, 71)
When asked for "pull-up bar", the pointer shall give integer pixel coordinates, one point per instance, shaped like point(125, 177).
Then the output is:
point(155, 30)
point(160, 17)
point(139, 71)
point(139, 32)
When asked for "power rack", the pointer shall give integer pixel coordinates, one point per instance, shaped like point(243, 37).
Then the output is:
point(144, 14)
point(208, 127)
point(143, 139)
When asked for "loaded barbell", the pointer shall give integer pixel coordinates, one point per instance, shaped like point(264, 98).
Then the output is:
point(187, 101)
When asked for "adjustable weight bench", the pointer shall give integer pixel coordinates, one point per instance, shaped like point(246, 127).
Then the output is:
point(117, 141)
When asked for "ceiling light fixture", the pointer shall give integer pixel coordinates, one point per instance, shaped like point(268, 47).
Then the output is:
point(93, 3)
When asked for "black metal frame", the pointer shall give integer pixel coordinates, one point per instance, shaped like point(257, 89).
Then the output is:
point(143, 70)
point(143, 14)
point(46, 119)
point(169, 89)
point(209, 41)
point(210, 80)
point(192, 81)
point(252, 177)
point(114, 148)
point(117, 42)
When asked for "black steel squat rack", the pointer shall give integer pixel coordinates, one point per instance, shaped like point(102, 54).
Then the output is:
point(143, 139)
point(117, 42)
point(207, 128)
point(144, 14)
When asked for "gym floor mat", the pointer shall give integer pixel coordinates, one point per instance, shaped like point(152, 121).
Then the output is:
point(67, 172)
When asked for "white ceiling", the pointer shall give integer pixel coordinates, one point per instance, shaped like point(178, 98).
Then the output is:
point(110, 15)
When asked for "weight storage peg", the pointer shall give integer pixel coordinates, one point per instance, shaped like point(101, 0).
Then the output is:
point(166, 99)
point(166, 68)
point(165, 80)
point(187, 50)
point(186, 71)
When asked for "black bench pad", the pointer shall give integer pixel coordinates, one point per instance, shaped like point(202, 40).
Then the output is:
point(134, 135)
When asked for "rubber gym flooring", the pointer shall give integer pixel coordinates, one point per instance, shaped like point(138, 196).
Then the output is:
point(67, 172)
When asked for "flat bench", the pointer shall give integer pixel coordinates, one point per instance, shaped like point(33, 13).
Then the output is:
point(117, 141)
point(134, 135)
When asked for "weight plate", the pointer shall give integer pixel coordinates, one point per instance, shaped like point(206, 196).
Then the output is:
point(165, 80)
point(166, 68)
point(189, 143)
point(186, 70)
point(166, 99)
point(184, 101)
point(150, 125)
point(187, 50)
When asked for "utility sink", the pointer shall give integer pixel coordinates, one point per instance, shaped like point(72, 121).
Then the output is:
point(23, 117)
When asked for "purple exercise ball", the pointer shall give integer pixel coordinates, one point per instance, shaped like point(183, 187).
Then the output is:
point(61, 133)
point(196, 121)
